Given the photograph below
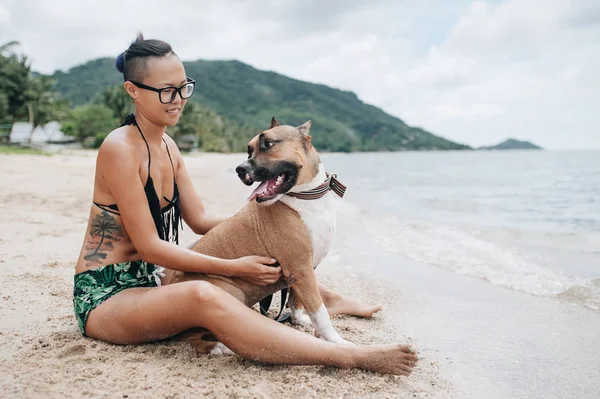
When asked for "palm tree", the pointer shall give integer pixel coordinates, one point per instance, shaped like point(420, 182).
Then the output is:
point(117, 99)
point(7, 46)
point(14, 81)
point(103, 226)
point(43, 103)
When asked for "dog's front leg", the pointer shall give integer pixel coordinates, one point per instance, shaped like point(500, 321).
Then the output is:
point(306, 290)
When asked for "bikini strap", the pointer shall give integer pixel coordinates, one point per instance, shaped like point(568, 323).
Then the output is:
point(170, 160)
point(108, 208)
point(147, 147)
point(130, 120)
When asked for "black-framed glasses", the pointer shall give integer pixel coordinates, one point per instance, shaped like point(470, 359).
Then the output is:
point(166, 95)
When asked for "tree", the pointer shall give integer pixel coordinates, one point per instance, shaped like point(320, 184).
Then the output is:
point(189, 124)
point(10, 68)
point(23, 96)
point(90, 124)
point(14, 84)
point(3, 108)
point(117, 99)
point(43, 104)
point(7, 46)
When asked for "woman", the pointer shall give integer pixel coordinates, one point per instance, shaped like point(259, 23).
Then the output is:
point(141, 191)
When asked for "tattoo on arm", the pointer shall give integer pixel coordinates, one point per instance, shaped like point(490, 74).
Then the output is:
point(105, 231)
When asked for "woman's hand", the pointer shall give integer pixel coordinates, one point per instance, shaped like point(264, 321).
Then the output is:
point(253, 269)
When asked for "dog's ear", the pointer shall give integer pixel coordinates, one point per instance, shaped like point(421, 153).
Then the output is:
point(274, 123)
point(305, 128)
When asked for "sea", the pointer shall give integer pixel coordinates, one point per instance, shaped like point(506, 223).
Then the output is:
point(497, 256)
point(524, 220)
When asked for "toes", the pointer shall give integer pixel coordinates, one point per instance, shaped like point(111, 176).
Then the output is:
point(409, 362)
point(409, 349)
point(369, 311)
point(406, 369)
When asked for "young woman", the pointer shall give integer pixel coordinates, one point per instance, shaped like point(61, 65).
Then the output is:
point(141, 190)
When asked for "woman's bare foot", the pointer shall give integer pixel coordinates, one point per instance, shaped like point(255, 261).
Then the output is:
point(387, 359)
point(337, 304)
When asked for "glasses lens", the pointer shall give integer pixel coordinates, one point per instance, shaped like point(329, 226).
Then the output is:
point(167, 95)
point(187, 90)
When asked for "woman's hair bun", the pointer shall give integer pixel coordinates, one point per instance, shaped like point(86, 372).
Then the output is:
point(120, 62)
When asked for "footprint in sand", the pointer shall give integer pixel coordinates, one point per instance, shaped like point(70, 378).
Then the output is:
point(75, 350)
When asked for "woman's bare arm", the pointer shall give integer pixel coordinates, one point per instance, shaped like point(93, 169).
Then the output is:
point(120, 171)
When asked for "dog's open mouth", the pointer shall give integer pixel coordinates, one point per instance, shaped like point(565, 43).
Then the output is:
point(269, 189)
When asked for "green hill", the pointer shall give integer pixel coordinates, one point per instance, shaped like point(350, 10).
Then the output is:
point(512, 144)
point(248, 98)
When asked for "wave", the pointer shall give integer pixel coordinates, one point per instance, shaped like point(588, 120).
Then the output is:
point(464, 251)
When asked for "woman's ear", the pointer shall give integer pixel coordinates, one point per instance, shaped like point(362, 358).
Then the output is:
point(130, 89)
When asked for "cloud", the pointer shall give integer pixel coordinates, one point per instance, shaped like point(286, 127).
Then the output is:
point(516, 68)
point(4, 15)
point(475, 72)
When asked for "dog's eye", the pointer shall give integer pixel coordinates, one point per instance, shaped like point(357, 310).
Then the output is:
point(265, 143)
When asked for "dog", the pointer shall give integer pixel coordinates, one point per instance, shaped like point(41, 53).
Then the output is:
point(290, 217)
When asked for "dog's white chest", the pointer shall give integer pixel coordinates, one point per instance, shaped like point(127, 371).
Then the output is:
point(320, 221)
point(319, 217)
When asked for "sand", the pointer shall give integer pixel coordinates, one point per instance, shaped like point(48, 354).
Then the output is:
point(44, 204)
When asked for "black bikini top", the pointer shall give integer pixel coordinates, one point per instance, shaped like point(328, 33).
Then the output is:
point(167, 219)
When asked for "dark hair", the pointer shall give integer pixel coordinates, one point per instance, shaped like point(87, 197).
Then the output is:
point(132, 62)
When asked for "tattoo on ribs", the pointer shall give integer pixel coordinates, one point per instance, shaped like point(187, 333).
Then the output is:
point(103, 233)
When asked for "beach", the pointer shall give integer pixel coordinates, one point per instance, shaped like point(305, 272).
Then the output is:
point(44, 204)
point(461, 140)
point(500, 300)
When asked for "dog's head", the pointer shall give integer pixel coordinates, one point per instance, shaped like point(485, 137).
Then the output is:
point(280, 158)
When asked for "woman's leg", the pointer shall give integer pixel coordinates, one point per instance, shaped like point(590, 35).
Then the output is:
point(139, 315)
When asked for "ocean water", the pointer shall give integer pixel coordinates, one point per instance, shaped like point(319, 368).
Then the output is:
point(522, 220)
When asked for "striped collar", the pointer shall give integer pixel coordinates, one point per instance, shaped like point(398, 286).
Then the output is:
point(332, 183)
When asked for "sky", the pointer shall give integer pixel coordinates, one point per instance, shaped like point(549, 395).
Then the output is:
point(475, 72)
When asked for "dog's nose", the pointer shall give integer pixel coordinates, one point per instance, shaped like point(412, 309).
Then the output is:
point(242, 169)
point(243, 172)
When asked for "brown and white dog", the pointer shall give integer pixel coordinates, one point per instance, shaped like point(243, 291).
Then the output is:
point(277, 222)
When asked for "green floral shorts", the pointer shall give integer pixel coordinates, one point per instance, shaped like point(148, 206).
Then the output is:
point(92, 287)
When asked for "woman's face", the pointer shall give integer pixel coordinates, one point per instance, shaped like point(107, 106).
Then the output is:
point(160, 72)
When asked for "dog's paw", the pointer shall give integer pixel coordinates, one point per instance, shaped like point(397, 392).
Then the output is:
point(221, 349)
point(330, 335)
point(300, 318)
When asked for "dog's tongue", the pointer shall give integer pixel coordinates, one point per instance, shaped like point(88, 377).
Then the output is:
point(262, 187)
